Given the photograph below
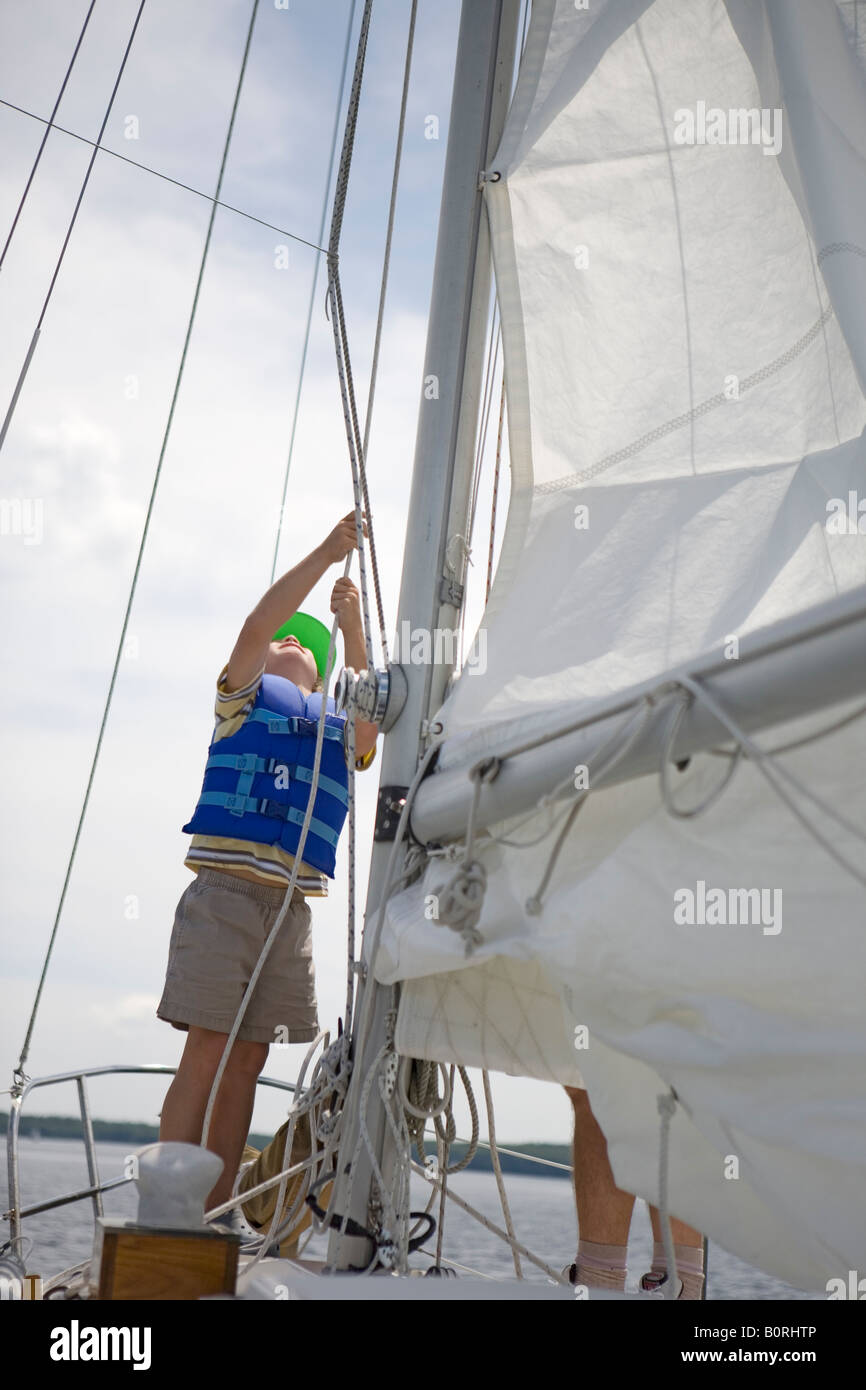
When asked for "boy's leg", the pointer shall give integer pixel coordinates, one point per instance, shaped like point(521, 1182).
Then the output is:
point(186, 1100)
point(688, 1253)
point(603, 1210)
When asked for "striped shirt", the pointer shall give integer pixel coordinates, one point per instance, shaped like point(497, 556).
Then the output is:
point(269, 864)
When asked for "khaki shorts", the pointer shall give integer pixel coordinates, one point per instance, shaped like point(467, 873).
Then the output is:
point(220, 926)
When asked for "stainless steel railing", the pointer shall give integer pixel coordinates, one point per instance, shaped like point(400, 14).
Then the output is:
point(16, 1214)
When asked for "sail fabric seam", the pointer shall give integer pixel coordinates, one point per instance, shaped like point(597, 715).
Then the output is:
point(675, 200)
point(838, 246)
point(712, 403)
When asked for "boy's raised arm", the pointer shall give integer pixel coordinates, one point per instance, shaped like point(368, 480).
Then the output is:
point(346, 603)
point(282, 601)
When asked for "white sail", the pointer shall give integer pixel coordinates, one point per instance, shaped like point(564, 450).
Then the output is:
point(678, 234)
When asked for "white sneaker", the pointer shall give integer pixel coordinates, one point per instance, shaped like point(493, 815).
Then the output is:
point(653, 1285)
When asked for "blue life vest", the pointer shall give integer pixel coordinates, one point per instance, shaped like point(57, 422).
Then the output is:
point(257, 781)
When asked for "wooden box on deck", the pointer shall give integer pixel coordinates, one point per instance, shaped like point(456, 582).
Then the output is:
point(147, 1262)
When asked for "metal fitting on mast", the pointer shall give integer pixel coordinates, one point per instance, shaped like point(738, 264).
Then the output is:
point(377, 696)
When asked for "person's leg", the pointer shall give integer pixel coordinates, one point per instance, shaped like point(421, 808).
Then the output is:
point(603, 1210)
point(688, 1253)
point(186, 1100)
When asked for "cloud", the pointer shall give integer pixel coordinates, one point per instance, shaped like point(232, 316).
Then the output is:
point(128, 1009)
point(81, 442)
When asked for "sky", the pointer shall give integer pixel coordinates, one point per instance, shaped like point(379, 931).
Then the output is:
point(84, 442)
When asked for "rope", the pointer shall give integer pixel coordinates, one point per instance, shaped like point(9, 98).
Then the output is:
point(399, 1222)
point(422, 1103)
point(158, 174)
point(679, 710)
point(19, 1072)
point(491, 1226)
point(497, 1168)
point(422, 1100)
point(287, 1153)
point(386, 260)
point(342, 89)
point(393, 1245)
point(47, 300)
point(762, 760)
point(392, 881)
point(448, 1132)
point(617, 753)
point(667, 1104)
point(798, 742)
point(344, 367)
point(339, 202)
point(350, 934)
point(48, 127)
point(443, 1151)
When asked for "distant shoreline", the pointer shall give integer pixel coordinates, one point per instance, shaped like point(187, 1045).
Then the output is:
point(129, 1132)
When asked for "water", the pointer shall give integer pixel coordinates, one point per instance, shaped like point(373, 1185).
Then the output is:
point(542, 1209)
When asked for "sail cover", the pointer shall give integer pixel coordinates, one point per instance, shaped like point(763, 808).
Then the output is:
point(679, 237)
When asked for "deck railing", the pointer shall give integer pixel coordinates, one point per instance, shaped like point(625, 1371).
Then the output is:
point(16, 1213)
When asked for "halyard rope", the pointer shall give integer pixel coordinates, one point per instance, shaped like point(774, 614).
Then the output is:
point(311, 304)
point(500, 1181)
point(396, 1211)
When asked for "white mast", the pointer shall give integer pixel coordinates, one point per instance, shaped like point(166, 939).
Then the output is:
point(438, 505)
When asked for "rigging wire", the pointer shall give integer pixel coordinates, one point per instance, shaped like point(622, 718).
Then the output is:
point(48, 129)
point(19, 1072)
point(166, 178)
point(32, 348)
point(495, 1230)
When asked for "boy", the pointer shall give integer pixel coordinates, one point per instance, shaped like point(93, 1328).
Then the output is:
point(244, 828)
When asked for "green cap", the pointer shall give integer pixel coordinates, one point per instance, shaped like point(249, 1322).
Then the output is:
point(310, 633)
